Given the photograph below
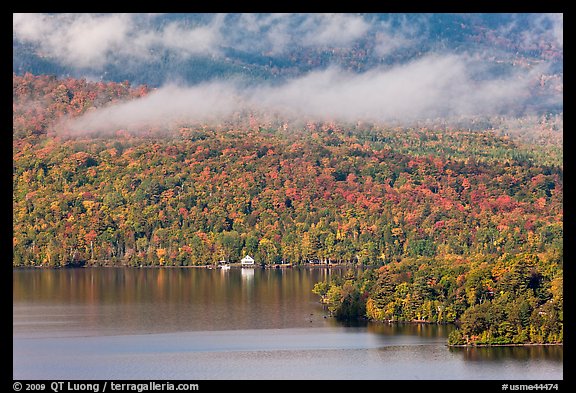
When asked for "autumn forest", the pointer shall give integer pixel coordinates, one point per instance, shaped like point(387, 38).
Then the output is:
point(454, 225)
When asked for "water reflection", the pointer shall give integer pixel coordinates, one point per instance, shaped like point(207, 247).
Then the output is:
point(247, 274)
point(420, 330)
point(117, 300)
point(532, 352)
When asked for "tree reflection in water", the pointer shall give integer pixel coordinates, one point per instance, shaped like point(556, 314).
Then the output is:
point(531, 352)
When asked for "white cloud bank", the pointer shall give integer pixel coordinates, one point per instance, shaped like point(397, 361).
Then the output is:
point(79, 40)
point(95, 40)
point(431, 87)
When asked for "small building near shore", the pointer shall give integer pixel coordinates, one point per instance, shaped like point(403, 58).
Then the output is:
point(247, 261)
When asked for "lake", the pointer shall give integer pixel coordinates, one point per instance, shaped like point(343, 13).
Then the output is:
point(192, 323)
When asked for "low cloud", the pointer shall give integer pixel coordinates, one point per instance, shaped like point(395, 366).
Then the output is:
point(92, 41)
point(535, 31)
point(434, 86)
point(551, 27)
point(333, 29)
point(389, 38)
point(75, 40)
point(164, 108)
point(431, 87)
point(438, 82)
point(185, 40)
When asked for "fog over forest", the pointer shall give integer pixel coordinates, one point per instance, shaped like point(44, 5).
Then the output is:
point(399, 68)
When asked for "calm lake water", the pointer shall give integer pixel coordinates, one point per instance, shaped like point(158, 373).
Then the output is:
point(114, 323)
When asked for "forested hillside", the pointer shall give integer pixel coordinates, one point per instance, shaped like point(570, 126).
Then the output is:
point(320, 192)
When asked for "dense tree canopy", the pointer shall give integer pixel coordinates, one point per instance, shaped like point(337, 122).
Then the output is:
point(511, 299)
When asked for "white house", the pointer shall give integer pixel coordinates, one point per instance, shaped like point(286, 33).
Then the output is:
point(247, 261)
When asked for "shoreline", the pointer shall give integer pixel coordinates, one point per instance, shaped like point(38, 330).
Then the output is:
point(502, 345)
point(233, 265)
